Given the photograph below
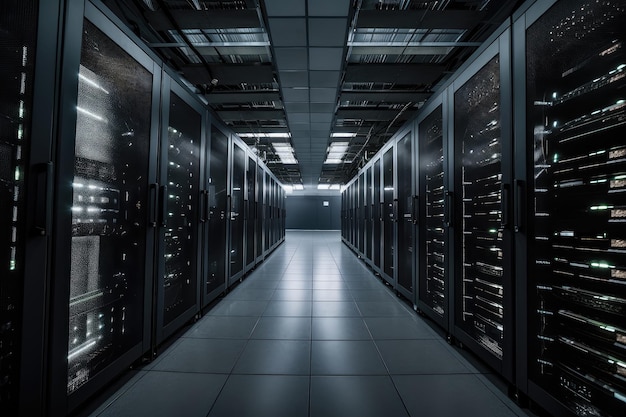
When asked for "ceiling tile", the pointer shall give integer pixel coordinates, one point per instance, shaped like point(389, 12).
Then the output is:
point(301, 133)
point(320, 133)
point(299, 126)
point(285, 7)
point(288, 32)
point(291, 58)
point(296, 94)
point(297, 107)
point(294, 78)
point(323, 95)
point(322, 107)
point(319, 126)
point(321, 117)
point(324, 78)
point(327, 32)
point(326, 59)
point(329, 7)
point(298, 117)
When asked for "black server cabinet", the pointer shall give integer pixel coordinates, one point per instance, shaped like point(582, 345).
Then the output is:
point(216, 238)
point(367, 224)
point(389, 214)
point(259, 204)
point(236, 213)
point(360, 214)
point(267, 229)
point(405, 209)
point(571, 129)
point(103, 245)
point(250, 210)
point(377, 218)
point(29, 36)
point(483, 275)
point(182, 130)
point(434, 204)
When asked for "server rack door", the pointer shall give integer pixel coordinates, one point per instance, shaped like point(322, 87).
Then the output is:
point(250, 205)
point(267, 230)
point(368, 214)
point(433, 283)
point(483, 314)
point(215, 279)
point(378, 217)
point(258, 232)
point(179, 196)
point(236, 213)
point(102, 243)
point(389, 216)
point(575, 105)
point(405, 236)
point(27, 95)
point(361, 212)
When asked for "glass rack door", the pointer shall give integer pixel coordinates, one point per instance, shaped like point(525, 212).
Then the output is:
point(389, 233)
point(378, 216)
point(250, 207)
point(405, 257)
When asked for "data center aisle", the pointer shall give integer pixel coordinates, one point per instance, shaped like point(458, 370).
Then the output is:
point(311, 332)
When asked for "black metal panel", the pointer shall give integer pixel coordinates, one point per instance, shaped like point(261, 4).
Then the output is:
point(389, 215)
point(259, 202)
point(418, 19)
point(575, 126)
point(384, 96)
point(238, 96)
point(368, 224)
point(377, 216)
point(205, 19)
point(250, 209)
point(239, 115)
point(408, 74)
point(373, 114)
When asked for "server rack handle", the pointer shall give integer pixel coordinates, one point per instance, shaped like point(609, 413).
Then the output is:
point(447, 208)
point(414, 209)
point(520, 203)
point(163, 206)
point(504, 205)
point(394, 212)
point(43, 211)
point(204, 206)
point(153, 191)
point(381, 214)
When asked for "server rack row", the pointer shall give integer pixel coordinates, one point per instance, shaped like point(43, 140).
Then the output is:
point(127, 207)
point(506, 227)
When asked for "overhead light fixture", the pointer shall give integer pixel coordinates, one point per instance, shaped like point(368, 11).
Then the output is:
point(336, 152)
point(323, 186)
point(285, 152)
point(276, 135)
point(342, 135)
point(298, 187)
point(288, 189)
point(335, 187)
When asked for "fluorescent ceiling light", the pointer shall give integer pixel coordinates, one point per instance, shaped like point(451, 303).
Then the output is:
point(285, 152)
point(323, 186)
point(333, 161)
point(288, 189)
point(298, 187)
point(336, 151)
point(335, 187)
point(342, 135)
point(284, 135)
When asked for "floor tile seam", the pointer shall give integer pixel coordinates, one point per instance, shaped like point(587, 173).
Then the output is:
point(498, 394)
point(120, 392)
point(175, 371)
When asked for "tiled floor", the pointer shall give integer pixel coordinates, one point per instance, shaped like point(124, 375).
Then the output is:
point(311, 332)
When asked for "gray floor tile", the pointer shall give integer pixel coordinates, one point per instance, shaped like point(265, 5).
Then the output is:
point(364, 284)
point(295, 285)
point(239, 308)
point(292, 295)
point(391, 308)
point(361, 396)
point(270, 284)
point(419, 357)
point(222, 327)
point(263, 395)
point(335, 309)
point(329, 285)
point(332, 295)
point(202, 355)
point(432, 395)
point(167, 394)
point(289, 308)
point(399, 328)
point(340, 328)
point(349, 357)
point(381, 295)
point(283, 328)
point(251, 294)
point(286, 357)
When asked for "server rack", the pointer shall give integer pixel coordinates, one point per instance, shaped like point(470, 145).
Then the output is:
point(260, 213)
point(434, 211)
point(236, 230)
point(389, 214)
point(405, 206)
point(378, 216)
point(483, 315)
point(29, 79)
point(101, 296)
point(216, 226)
point(570, 136)
point(250, 212)
point(368, 215)
point(178, 234)
point(360, 227)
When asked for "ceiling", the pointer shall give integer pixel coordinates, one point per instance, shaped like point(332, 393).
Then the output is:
point(293, 77)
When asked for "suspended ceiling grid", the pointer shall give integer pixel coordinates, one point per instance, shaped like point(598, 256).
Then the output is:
point(314, 72)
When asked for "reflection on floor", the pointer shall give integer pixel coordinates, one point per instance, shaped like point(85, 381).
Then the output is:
point(311, 332)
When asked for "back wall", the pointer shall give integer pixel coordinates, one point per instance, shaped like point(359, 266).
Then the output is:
point(309, 212)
